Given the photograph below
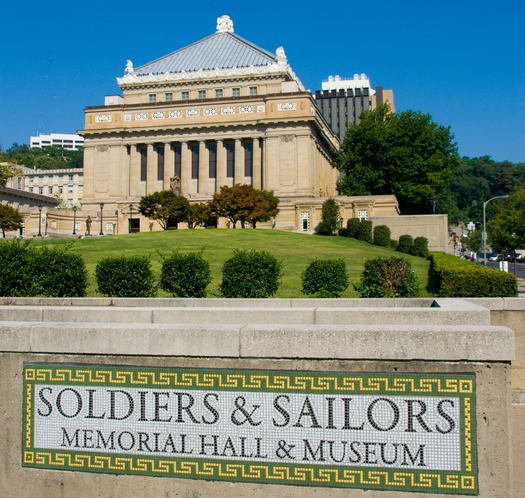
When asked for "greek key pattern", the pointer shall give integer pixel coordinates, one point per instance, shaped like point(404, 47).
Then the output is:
point(256, 380)
point(247, 472)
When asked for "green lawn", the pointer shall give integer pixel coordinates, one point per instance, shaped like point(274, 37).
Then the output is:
point(295, 251)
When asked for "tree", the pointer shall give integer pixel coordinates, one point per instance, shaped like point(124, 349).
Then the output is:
point(506, 229)
point(244, 203)
point(8, 171)
point(198, 214)
point(10, 218)
point(404, 154)
point(168, 208)
point(329, 217)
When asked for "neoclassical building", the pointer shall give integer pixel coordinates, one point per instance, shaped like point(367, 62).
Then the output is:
point(220, 111)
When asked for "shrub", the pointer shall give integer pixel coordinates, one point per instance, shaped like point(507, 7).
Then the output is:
point(57, 273)
point(392, 277)
point(325, 278)
point(420, 247)
point(365, 231)
point(185, 275)
point(125, 277)
point(330, 214)
point(250, 274)
point(15, 280)
point(451, 276)
point(382, 236)
point(352, 226)
point(323, 229)
point(405, 244)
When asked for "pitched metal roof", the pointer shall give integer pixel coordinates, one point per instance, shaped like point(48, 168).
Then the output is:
point(222, 50)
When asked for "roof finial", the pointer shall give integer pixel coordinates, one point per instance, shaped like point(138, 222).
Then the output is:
point(224, 24)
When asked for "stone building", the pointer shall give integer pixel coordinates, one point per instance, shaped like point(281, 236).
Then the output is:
point(220, 111)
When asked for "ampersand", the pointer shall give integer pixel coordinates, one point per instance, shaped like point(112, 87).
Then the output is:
point(240, 403)
point(284, 450)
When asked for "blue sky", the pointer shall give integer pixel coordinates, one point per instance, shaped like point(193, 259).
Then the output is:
point(462, 61)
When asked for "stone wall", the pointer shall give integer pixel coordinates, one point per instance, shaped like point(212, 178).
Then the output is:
point(397, 338)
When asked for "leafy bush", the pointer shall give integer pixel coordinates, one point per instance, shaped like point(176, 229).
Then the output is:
point(250, 274)
point(451, 276)
point(323, 229)
point(325, 278)
point(125, 277)
point(352, 226)
point(392, 277)
point(343, 232)
point(15, 279)
point(185, 275)
point(382, 236)
point(330, 215)
point(29, 271)
point(365, 231)
point(420, 247)
point(57, 273)
point(405, 244)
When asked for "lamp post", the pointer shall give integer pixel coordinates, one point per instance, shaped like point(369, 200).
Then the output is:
point(39, 221)
point(131, 218)
point(74, 220)
point(101, 208)
point(485, 225)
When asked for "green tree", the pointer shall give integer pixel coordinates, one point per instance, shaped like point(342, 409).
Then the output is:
point(7, 171)
point(10, 218)
point(506, 230)
point(244, 203)
point(166, 207)
point(198, 214)
point(404, 154)
point(329, 216)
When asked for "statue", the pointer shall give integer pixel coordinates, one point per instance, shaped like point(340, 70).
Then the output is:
point(129, 67)
point(224, 24)
point(175, 184)
point(88, 225)
point(281, 56)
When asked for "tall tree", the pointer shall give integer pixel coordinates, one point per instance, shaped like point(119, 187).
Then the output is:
point(506, 230)
point(168, 208)
point(8, 171)
point(404, 154)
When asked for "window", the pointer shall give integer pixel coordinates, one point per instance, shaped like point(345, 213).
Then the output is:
point(202, 94)
point(60, 190)
point(230, 158)
point(160, 163)
point(219, 93)
point(143, 163)
point(253, 90)
point(178, 160)
point(236, 92)
point(169, 97)
point(212, 148)
point(70, 190)
point(70, 178)
point(248, 158)
point(30, 189)
point(305, 221)
point(362, 214)
point(49, 190)
point(40, 190)
point(152, 97)
point(185, 95)
point(194, 161)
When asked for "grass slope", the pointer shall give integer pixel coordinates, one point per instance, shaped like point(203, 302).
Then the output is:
point(295, 251)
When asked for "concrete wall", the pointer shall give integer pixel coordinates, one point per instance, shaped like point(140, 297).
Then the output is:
point(432, 226)
point(347, 335)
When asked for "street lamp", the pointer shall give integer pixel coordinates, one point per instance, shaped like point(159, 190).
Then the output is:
point(130, 218)
point(101, 208)
point(485, 225)
point(74, 220)
point(39, 221)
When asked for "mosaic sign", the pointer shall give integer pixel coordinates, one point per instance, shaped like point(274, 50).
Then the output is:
point(387, 431)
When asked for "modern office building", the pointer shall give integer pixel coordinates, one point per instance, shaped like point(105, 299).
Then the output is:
point(67, 141)
point(342, 100)
point(221, 111)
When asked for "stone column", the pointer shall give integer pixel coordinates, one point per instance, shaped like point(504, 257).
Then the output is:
point(134, 170)
point(185, 168)
point(151, 170)
point(256, 166)
point(221, 166)
point(204, 164)
point(169, 165)
point(238, 175)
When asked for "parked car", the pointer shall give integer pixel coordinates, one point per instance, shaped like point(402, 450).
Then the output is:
point(494, 257)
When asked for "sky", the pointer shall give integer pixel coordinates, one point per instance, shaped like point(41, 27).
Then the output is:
point(462, 61)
